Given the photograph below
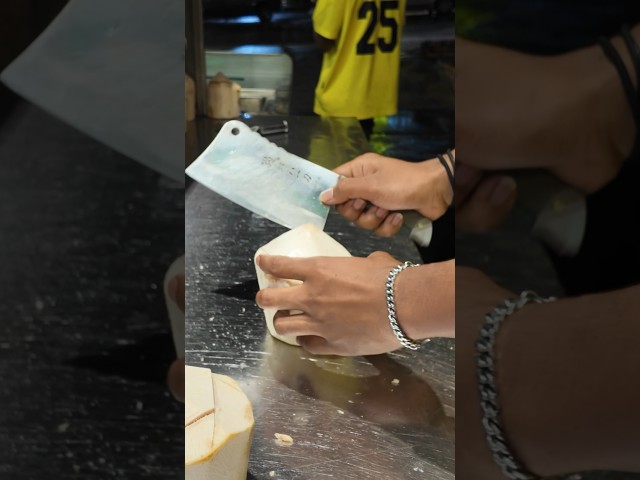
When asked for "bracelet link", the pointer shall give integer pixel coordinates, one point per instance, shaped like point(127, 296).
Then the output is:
point(391, 307)
point(485, 371)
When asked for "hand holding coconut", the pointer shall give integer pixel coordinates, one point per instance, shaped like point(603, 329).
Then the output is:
point(341, 299)
point(338, 306)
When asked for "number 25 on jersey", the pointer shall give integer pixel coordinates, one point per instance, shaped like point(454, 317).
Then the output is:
point(370, 12)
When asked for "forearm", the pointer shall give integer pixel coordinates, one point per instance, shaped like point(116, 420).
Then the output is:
point(622, 128)
point(430, 188)
point(565, 113)
point(608, 129)
point(425, 300)
point(568, 383)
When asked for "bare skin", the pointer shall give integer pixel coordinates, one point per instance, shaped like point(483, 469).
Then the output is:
point(576, 96)
point(343, 299)
point(558, 364)
point(483, 199)
point(389, 185)
point(565, 113)
point(564, 409)
point(344, 306)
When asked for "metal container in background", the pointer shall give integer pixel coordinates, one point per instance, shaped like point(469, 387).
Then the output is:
point(261, 74)
point(256, 100)
point(283, 95)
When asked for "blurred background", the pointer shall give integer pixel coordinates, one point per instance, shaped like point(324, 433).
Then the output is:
point(267, 48)
point(86, 236)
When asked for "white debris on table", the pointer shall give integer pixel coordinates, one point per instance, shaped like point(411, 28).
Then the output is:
point(283, 439)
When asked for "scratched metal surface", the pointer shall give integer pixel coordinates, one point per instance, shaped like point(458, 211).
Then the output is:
point(86, 236)
point(347, 419)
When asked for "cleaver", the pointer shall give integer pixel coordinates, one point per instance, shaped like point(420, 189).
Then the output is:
point(246, 168)
point(115, 71)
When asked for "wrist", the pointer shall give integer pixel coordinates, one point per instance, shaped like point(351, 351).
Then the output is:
point(507, 388)
point(622, 128)
point(610, 100)
point(433, 190)
point(592, 107)
point(555, 392)
point(527, 425)
point(425, 301)
point(492, 392)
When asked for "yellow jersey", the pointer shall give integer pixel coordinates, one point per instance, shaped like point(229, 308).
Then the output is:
point(359, 76)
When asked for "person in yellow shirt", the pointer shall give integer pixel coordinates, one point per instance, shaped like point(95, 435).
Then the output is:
point(361, 62)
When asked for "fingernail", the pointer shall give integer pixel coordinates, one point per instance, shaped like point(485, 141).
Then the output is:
point(505, 188)
point(358, 204)
point(381, 213)
point(326, 195)
point(258, 260)
point(396, 219)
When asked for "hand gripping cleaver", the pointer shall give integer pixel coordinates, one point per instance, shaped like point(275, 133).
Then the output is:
point(264, 178)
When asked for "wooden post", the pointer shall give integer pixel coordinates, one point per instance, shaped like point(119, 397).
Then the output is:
point(194, 57)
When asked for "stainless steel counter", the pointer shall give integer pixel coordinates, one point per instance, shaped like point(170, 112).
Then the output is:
point(349, 417)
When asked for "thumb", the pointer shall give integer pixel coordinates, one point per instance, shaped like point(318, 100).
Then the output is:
point(347, 189)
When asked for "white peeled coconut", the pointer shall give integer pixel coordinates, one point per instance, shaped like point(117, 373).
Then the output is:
point(218, 425)
point(303, 241)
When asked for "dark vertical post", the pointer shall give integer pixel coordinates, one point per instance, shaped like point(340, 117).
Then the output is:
point(194, 58)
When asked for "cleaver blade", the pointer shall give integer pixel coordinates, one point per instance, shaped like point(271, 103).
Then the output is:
point(246, 168)
point(115, 71)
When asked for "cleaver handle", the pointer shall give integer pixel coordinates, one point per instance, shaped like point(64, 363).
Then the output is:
point(418, 228)
point(415, 226)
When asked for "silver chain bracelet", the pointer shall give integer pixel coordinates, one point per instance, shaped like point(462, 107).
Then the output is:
point(485, 365)
point(391, 307)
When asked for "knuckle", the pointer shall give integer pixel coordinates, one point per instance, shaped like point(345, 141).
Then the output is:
point(314, 264)
point(305, 300)
point(349, 213)
point(324, 270)
point(363, 224)
point(275, 264)
point(280, 325)
point(368, 156)
point(263, 298)
point(383, 232)
point(369, 221)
